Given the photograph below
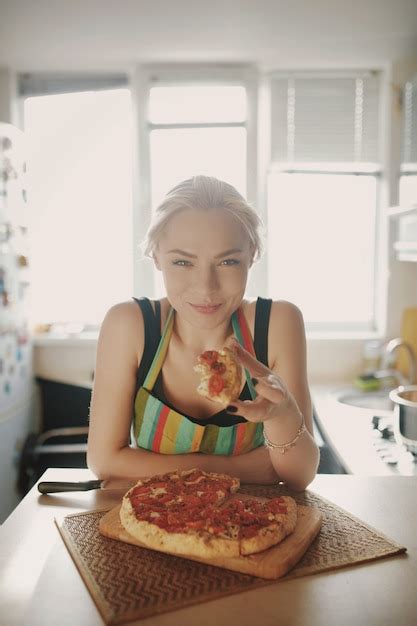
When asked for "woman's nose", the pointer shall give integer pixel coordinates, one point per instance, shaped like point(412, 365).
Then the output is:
point(207, 280)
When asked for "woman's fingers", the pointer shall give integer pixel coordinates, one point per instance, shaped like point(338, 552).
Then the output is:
point(272, 394)
point(258, 410)
point(271, 388)
point(272, 397)
point(252, 364)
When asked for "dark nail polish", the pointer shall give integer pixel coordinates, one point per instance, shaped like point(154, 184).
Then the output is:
point(231, 409)
point(255, 381)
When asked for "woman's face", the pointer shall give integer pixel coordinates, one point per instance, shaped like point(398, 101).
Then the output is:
point(205, 257)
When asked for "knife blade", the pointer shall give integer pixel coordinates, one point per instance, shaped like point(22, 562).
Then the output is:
point(61, 486)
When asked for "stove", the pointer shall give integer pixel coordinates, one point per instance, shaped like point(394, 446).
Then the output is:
point(396, 457)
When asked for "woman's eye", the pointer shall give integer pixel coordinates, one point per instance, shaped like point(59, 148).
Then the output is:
point(230, 262)
point(181, 263)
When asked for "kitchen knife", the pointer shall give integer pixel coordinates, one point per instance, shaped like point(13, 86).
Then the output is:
point(60, 486)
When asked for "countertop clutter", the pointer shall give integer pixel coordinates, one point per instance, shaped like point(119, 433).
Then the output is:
point(41, 584)
point(357, 435)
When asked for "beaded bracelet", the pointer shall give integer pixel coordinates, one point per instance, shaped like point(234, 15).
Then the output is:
point(286, 446)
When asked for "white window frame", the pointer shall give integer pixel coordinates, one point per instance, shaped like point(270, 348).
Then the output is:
point(268, 165)
point(143, 79)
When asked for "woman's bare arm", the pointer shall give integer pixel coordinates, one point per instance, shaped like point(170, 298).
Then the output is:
point(283, 395)
point(120, 341)
point(298, 466)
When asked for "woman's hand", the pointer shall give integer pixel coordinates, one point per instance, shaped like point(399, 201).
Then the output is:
point(273, 399)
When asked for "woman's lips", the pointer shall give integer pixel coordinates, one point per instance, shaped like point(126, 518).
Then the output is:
point(206, 310)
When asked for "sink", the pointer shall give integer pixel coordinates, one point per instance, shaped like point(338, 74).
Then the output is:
point(371, 400)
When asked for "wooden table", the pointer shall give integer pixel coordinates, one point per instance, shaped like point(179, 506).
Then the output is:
point(39, 584)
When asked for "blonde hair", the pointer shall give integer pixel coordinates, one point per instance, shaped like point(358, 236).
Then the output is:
point(204, 193)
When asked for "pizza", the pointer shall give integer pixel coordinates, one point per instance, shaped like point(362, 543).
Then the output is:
point(220, 375)
point(200, 514)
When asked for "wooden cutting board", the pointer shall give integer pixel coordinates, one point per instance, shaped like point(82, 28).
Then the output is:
point(271, 564)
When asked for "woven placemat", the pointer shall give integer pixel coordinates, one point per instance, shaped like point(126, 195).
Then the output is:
point(130, 583)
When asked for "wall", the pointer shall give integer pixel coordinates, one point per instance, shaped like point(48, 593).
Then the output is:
point(16, 423)
point(8, 100)
point(402, 276)
point(72, 361)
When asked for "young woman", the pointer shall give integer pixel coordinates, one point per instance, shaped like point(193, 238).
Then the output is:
point(146, 414)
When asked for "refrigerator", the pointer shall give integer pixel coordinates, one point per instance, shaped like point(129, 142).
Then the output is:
point(16, 375)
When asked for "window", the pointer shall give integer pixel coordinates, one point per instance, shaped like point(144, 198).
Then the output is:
point(79, 169)
point(322, 190)
point(408, 178)
point(196, 128)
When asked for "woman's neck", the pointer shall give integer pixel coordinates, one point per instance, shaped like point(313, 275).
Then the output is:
point(197, 340)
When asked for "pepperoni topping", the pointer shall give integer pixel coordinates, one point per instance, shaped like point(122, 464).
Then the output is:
point(190, 500)
point(215, 384)
point(198, 524)
point(197, 502)
point(218, 367)
point(141, 490)
point(277, 505)
point(247, 532)
point(209, 357)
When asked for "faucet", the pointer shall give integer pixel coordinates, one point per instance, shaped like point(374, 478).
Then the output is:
point(390, 348)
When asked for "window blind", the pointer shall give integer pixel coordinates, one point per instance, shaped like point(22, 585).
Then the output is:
point(47, 84)
point(409, 152)
point(319, 119)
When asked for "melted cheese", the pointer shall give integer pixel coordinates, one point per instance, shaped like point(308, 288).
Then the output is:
point(194, 482)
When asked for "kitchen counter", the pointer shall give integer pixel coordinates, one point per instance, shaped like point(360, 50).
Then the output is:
point(41, 586)
point(348, 430)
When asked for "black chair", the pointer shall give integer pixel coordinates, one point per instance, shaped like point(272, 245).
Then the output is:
point(62, 440)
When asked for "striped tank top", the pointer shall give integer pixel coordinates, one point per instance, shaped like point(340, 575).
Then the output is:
point(159, 427)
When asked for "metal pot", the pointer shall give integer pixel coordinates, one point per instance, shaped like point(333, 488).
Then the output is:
point(405, 416)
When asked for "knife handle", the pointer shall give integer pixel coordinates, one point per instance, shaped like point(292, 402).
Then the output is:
point(60, 486)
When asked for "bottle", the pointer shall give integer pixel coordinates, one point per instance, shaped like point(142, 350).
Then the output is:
point(372, 355)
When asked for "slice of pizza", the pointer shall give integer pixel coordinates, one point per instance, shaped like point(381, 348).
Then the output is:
point(220, 375)
point(262, 524)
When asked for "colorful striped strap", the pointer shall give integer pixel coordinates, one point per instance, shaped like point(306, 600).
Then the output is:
point(242, 334)
point(160, 354)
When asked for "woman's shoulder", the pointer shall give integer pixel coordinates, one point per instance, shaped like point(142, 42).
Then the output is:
point(123, 325)
point(126, 320)
point(286, 320)
point(126, 312)
point(288, 311)
point(286, 331)
point(281, 310)
point(286, 326)
point(131, 311)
